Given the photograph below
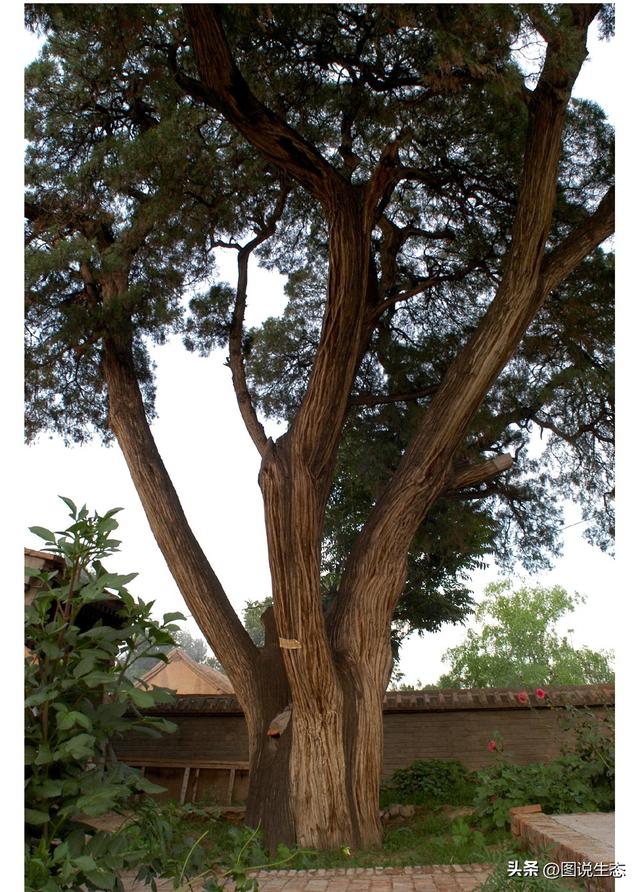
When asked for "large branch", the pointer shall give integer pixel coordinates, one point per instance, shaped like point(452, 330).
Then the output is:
point(479, 473)
point(350, 211)
point(188, 564)
point(228, 92)
point(375, 572)
point(580, 243)
point(236, 357)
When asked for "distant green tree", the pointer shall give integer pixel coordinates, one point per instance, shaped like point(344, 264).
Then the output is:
point(518, 643)
point(252, 619)
point(195, 647)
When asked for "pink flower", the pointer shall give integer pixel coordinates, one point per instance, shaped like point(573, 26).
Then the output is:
point(492, 746)
point(522, 697)
point(540, 694)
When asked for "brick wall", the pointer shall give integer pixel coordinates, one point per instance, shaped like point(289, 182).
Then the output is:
point(417, 725)
point(213, 737)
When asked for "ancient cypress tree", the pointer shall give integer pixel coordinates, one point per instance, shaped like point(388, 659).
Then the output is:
point(442, 215)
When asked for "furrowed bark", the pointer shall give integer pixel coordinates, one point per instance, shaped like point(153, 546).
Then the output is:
point(296, 472)
point(293, 522)
point(336, 668)
point(483, 471)
point(295, 479)
point(269, 800)
point(580, 243)
point(257, 675)
point(188, 564)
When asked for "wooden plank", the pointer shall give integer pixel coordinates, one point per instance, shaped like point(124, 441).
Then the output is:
point(185, 781)
point(232, 778)
point(153, 762)
point(194, 791)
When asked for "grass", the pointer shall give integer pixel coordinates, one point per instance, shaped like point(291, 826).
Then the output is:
point(432, 836)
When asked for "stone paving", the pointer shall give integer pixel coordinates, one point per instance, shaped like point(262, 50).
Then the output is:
point(437, 878)
point(586, 839)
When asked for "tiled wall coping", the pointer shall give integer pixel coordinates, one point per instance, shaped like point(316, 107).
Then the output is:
point(441, 700)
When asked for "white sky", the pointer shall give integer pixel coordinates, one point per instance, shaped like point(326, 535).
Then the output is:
point(214, 464)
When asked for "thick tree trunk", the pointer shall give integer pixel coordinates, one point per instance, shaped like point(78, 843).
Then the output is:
point(316, 784)
point(335, 737)
point(296, 795)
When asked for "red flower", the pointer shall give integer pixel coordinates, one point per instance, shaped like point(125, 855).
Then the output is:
point(492, 746)
point(522, 697)
point(540, 694)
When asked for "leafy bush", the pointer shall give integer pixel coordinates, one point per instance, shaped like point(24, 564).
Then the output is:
point(431, 781)
point(78, 698)
point(582, 779)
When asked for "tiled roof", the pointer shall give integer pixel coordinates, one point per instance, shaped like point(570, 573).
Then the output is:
point(440, 700)
point(207, 673)
point(200, 704)
point(33, 558)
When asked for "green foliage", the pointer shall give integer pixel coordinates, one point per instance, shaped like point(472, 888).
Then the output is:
point(78, 698)
point(432, 782)
point(122, 177)
point(429, 837)
point(251, 615)
point(518, 643)
point(562, 786)
point(580, 780)
point(80, 695)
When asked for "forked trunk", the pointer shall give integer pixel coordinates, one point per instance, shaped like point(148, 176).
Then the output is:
point(333, 740)
point(296, 796)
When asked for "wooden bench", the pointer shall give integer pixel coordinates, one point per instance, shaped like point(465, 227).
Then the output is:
point(197, 765)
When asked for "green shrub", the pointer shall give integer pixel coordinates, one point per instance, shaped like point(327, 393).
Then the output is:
point(580, 780)
point(78, 698)
point(431, 781)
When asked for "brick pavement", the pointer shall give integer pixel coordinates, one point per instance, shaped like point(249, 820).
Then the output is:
point(437, 878)
point(580, 838)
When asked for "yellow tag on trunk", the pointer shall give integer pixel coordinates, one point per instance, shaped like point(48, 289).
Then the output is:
point(289, 644)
